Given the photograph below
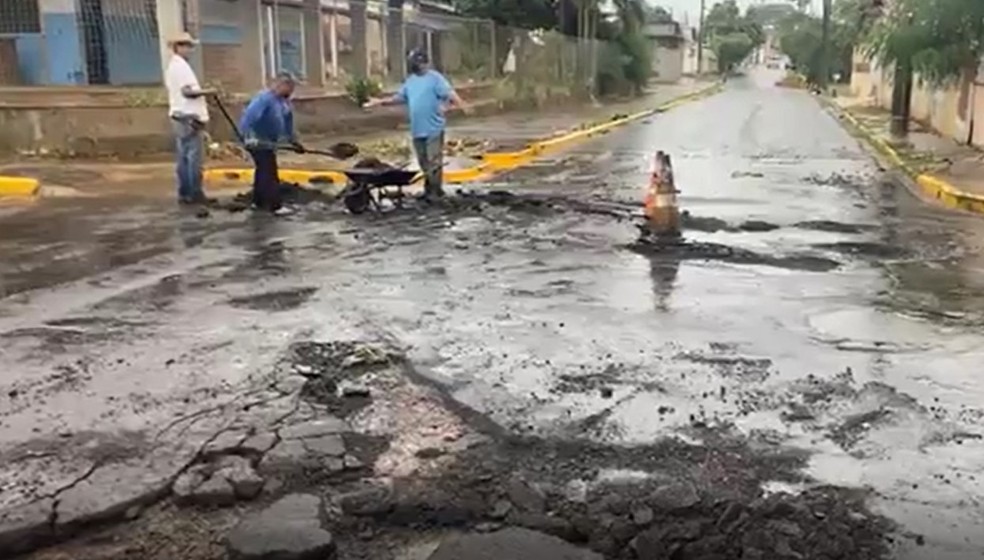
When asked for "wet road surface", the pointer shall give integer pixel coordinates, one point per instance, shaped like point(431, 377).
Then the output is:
point(542, 319)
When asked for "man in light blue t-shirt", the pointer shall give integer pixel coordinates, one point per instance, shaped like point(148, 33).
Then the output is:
point(427, 95)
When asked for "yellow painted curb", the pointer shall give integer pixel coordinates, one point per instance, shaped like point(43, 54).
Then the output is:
point(948, 195)
point(299, 176)
point(931, 186)
point(19, 186)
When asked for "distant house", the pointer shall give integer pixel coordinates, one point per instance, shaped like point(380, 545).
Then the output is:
point(669, 49)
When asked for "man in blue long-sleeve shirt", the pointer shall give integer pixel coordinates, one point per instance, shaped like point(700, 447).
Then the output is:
point(266, 124)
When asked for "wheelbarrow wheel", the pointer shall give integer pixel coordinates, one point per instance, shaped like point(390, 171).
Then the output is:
point(356, 199)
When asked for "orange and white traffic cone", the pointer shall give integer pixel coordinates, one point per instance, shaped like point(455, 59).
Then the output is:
point(660, 205)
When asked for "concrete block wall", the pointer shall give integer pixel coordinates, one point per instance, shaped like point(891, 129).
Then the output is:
point(229, 31)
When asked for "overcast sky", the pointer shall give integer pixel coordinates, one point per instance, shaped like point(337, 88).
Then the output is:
point(692, 7)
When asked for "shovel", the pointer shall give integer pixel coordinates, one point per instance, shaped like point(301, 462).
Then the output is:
point(339, 150)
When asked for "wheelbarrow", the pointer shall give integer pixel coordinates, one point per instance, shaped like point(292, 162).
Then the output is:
point(368, 187)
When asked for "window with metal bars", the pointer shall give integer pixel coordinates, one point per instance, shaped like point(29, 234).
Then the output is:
point(19, 16)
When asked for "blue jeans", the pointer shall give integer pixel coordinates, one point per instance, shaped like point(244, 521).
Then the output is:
point(430, 156)
point(190, 155)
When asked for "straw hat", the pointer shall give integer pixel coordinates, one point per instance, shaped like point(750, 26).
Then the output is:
point(183, 38)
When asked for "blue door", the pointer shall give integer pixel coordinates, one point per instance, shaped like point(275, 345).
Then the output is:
point(66, 63)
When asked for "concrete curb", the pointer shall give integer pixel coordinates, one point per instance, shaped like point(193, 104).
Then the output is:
point(492, 162)
point(928, 185)
point(19, 187)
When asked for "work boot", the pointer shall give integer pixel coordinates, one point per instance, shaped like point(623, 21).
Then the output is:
point(432, 195)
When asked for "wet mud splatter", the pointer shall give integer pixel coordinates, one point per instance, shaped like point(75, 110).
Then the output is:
point(865, 249)
point(280, 300)
point(692, 250)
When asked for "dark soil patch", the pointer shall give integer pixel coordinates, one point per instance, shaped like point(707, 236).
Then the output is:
point(757, 369)
point(699, 502)
point(713, 225)
point(705, 224)
point(291, 193)
point(334, 370)
point(757, 226)
point(837, 180)
point(281, 300)
point(833, 227)
point(851, 430)
point(691, 250)
point(865, 249)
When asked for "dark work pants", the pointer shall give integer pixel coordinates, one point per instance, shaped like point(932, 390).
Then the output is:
point(266, 180)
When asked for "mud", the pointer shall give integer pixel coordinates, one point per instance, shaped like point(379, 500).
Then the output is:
point(680, 250)
point(683, 508)
point(866, 249)
point(335, 372)
point(834, 227)
point(280, 300)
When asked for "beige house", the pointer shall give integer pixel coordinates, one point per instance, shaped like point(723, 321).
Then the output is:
point(669, 50)
point(955, 111)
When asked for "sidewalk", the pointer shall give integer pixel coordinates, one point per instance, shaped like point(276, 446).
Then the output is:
point(946, 171)
point(468, 138)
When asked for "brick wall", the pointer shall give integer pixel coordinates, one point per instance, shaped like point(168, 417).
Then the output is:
point(224, 65)
point(9, 74)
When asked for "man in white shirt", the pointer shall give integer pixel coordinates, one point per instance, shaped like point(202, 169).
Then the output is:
point(189, 115)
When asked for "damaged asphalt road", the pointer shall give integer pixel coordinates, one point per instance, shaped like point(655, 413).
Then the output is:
point(796, 381)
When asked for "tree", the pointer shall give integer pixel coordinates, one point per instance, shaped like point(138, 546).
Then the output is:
point(510, 15)
point(732, 36)
point(941, 40)
point(731, 49)
point(527, 14)
point(626, 64)
point(766, 15)
point(801, 39)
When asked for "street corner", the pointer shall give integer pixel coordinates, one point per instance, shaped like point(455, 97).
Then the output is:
point(53, 179)
point(18, 187)
point(934, 168)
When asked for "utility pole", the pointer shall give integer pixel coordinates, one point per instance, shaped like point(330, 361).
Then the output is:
point(700, 39)
point(901, 98)
point(824, 69)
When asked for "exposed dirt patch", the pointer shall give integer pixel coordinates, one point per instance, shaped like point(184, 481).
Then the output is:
point(745, 367)
point(713, 225)
point(334, 373)
point(667, 500)
point(833, 227)
point(865, 249)
point(281, 300)
point(691, 250)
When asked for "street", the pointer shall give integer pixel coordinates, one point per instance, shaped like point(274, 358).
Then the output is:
point(819, 334)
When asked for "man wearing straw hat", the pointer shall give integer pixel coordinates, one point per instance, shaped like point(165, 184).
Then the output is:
point(189, 115)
